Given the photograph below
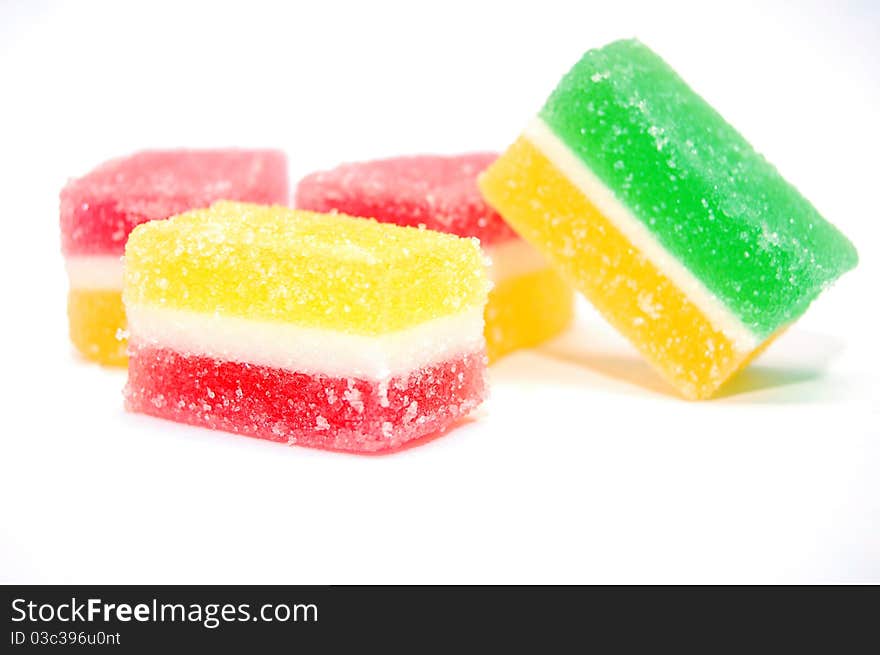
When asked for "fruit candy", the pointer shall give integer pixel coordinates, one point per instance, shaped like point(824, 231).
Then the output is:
point(100, 209)
point(326, 331)
point(529, 302)
point(648, 202)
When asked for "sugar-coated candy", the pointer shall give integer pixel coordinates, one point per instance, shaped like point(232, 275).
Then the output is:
point(319, 330)
point(100, 209)
point(648, 202)
point(529, 302)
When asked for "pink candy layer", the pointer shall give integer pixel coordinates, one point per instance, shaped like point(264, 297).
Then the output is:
point(100, 209)
point(438, 192)
point(308, 410)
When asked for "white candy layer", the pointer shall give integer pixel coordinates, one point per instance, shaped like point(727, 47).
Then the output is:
point(552, 147)
point(308, 350)
point(513, 258)
point(102, 272)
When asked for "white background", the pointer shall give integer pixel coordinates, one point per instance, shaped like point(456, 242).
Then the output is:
point(582, 467)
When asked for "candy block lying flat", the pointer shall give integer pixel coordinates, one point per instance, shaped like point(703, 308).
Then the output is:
point(648, 202)
point(529, 302)
point(99, 210)
point(324, 331)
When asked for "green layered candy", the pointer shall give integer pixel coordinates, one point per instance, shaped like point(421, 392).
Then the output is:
point(696, 184)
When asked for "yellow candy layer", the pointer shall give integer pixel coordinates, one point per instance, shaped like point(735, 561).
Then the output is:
point(314, 270)
point(526, 310)
point(590, 252)
point(96, 318)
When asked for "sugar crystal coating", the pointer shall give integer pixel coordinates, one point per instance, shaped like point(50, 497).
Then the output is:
point(438, 192)
point(278, 264)
point(99, 209)
point(709, 198)
point(347, 414)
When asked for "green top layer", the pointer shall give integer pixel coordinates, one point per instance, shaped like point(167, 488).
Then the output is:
point(694, 181)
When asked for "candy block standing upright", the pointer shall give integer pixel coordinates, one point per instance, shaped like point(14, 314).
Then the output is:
point(100, 209)
point(324, 331)
point(528, 304)
point(647, 201)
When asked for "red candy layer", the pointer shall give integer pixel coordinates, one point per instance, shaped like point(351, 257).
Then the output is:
point(435, 191)
point(100, 209)
point(308, 410)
